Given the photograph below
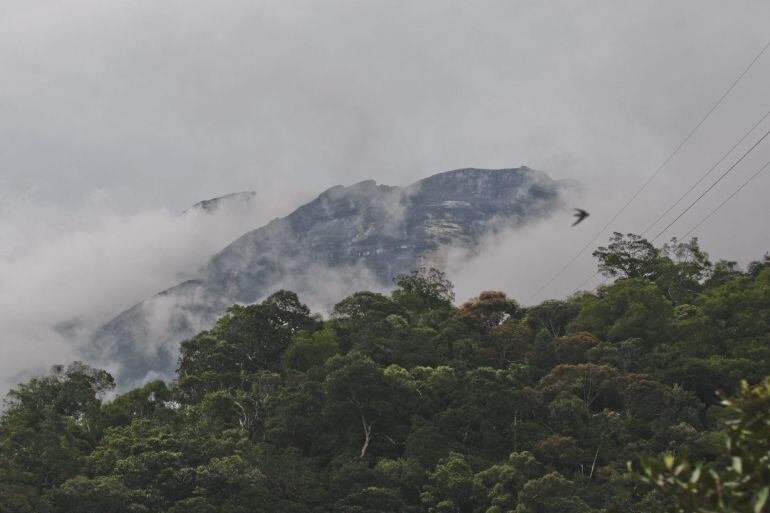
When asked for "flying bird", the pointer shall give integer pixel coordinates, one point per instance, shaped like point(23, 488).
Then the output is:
point(580, 214)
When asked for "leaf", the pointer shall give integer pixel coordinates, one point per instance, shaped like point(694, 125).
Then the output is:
point(696, 473)
point(760, 500)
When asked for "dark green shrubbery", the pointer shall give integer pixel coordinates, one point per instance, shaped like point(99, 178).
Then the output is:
point(406, 403)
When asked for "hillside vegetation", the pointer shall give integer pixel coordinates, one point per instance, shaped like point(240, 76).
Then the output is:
point(406, 403)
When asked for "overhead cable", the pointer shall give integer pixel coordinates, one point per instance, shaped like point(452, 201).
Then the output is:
point(653, 175)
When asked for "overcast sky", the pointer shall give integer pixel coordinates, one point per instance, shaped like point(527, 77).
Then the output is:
point(161, 104)
point(114, 113)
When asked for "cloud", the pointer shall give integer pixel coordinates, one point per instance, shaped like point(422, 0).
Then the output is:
point(520, 260)
point(163, 104)
point(64, 283)
point(321, 287)
point(116, 115)
point(552, 255)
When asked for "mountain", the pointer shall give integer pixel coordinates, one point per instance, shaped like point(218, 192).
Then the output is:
point(241, 200)
point(346, 239)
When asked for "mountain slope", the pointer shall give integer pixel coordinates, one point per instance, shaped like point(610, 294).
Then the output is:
point(347, 239)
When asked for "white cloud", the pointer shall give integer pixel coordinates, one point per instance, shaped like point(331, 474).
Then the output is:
point(74, 279)
point(115, 115)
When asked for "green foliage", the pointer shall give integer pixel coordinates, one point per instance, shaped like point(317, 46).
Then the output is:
point(738, 482)
point(631, 308)
point(551, 493)
point(373, 500)
point(628, 257)
point(488, 310)
point(106, 494)
point(406, 403)
point(148, 401)
point(452, 487)
point(678, 268)
point(51, 423)
point(503, 482)
point(553, 316)
point(311, 350)
point(243, 343)
point(424, 290)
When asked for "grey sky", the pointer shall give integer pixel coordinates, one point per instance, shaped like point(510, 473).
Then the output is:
point(112, 109)
point(164, 103)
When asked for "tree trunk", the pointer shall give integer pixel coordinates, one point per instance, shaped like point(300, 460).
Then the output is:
point(593, 465)
point(367, 435)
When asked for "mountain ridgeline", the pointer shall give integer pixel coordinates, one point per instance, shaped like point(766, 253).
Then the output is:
point(347, 239)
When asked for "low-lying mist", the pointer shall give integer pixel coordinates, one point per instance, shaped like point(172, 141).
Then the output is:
point(60, 281)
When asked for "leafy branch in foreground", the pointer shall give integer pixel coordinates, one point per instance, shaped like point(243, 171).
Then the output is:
point(741, 481)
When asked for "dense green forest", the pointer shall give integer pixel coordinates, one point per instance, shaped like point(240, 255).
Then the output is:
point(606, 401)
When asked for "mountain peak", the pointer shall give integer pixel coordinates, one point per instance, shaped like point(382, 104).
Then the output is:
point(212, 205)
point(346, 239)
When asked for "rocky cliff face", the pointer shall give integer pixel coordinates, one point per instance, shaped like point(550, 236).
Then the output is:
point(347, 239)
point(241, 200)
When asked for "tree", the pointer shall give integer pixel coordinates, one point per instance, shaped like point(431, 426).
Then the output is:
point(740, 482)
point(75, 392)
point(552, 315)
point(309, 350)
point(51, 422)
point(402, 474)
point(373, 499)
point(596, 385)
point(722, 272)
point(631, 308)
point(452, 487)
point(369, 322)
point(233, 485)
point(629, 256)
point(406, 403)
point(489, 309)
point(626, 355)
point(757, 266)
point(245, 341)
point(552, 493)
point(684, 267)
point(508, 342)
point(366, 305)
point(424, 289)
point(569, 349)
point(18, 493)
point(492, 321)
point(262, 332)
point(359, 394)
point(106, 494)
point(503, 482)
point(147, 401)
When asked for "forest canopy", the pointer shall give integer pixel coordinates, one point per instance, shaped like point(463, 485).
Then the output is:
point(615, 400)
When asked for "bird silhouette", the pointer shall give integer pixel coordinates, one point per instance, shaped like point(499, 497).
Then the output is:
point(580, 214)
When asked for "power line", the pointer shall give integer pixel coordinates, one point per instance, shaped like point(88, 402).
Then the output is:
point(752, 177)
point(594, 275)
point(706, 218)
point(664, 214)
point(711, 186)
point(654, 174)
